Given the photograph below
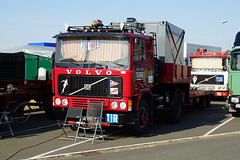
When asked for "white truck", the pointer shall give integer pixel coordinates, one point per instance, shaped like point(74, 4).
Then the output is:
point(209, 72)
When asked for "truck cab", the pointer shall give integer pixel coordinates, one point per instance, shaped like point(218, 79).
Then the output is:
point(106, 65)
point(210, 72)
point(234, 79)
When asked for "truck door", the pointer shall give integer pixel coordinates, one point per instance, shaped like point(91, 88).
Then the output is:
point(142, 63)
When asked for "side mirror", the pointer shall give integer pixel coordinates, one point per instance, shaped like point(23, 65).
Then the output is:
point(224, 68)
point(223, 62)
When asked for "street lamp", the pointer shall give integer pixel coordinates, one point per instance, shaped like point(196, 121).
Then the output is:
point(223, 34)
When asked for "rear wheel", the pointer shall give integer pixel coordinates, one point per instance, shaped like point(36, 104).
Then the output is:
point(142, 123)
point(22, 112)
point(176, 112)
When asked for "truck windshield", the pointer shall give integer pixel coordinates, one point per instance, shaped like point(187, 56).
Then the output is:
point(92, 52)
point(207, 63)
point(235, 61)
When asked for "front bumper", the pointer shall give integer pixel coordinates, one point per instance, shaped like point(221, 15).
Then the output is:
point(109, 118)
point(234, 103)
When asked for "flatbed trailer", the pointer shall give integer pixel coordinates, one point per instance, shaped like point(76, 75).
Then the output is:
point(198, 93)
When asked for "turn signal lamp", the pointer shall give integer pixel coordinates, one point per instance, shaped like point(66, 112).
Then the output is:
point(53, 100)
point(129, 105)
point(230, 92)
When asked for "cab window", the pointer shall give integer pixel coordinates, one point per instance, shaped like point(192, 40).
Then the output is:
point(235, 64)
point(139, 53)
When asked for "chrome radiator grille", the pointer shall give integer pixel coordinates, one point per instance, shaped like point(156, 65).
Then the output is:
point(90, 86)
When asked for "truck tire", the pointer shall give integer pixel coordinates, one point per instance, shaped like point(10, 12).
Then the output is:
point(142, 123)
point(48, 107)
point(203, 103)
point(175, 114)
point(235, 114)
point(208, 101)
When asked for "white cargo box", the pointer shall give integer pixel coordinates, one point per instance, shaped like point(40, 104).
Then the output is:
point(170, 40)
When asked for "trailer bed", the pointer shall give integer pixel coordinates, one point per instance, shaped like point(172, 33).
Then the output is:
point(198, 93)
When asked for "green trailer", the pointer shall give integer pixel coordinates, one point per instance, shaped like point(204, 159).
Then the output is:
point(26, 74)
point(24, 64)
point(234, 82)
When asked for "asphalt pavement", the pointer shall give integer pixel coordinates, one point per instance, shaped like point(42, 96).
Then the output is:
point(201, 134)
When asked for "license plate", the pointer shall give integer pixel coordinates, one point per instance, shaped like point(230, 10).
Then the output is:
point(237, 106)
point(112, 118)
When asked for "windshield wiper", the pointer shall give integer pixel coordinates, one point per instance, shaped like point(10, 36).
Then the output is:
point(66, 60)
point(101, 66)
point(119, 64)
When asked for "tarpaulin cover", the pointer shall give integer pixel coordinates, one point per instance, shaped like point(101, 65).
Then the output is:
point(41, 51)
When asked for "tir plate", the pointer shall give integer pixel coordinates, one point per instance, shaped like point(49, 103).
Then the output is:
point(112, 118)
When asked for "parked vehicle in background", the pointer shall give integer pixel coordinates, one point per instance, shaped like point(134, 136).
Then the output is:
point(234, 82)
point(26, 74)
point(210, 72)
point(135, 69)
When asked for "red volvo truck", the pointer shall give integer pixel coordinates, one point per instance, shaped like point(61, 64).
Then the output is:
point(135, 69)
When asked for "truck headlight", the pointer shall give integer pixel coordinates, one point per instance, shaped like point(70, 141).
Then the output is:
point(57, 101)
point(64, 102)
point(114, 105)
point(122, 105)
point(234, 99)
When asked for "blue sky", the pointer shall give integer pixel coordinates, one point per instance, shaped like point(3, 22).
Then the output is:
point(24, 21)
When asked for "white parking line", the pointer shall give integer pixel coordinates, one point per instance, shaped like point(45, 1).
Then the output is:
point(133, 145)
point(43, 155)
point(40, 156)
point(212, 130)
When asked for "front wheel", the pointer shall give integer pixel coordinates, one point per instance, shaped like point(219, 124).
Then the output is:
point(202, 104)
point(142, 123)
point(22, 112)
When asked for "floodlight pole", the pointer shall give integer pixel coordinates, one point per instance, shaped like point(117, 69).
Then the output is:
point(223, 34)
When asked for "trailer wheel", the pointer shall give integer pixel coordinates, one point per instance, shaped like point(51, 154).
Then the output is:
point(142, 123)
point(203, 103)
point(22, 113)
point(208, 101)
point(176, 112)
